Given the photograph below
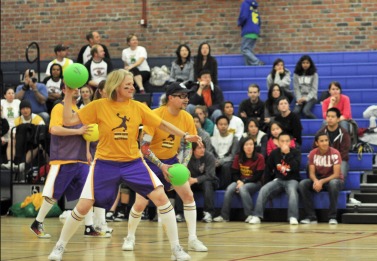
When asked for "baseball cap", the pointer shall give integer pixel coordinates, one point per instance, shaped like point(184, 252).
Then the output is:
point(60, 47)
point(176, 87)
point(25, 104)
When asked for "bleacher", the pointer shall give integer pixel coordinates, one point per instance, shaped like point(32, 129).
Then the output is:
point(356, 72)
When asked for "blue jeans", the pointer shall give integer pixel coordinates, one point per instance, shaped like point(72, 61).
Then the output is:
point(245, 193)
point(274, 188)
point(306, 109)
point(306, 190)
point(247, 46)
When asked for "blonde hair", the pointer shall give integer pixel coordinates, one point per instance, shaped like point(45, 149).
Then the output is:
point(114, 80)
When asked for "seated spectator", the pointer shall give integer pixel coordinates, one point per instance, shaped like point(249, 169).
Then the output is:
point(98, 66)
point(203, 134)
point(247, 170)
point(86, 95)
point(339, 101)
point(182, 69)
point(100, 92)
point(33, 91)
point(282, 173)
point(10, 111)
point(252, 107)
point(205, 61)
point(225, 147)
point(339, 138)
point(26, 117)
point(324, 175)
point(208, 94)
point(281, 76)
point(4, 139)
point(273, 142)
point(271, 104)
point(236, 125)
point(290, 121)
point(135, 61)
point(203, 178)
point(61, 58)
point(93, 38)
point(259, 137)
point(54, 84)
point(202, 113)
point(305, 86)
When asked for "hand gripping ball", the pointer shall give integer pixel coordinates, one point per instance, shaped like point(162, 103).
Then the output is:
point(92, 134)
point(179, 174)
point(75, 75)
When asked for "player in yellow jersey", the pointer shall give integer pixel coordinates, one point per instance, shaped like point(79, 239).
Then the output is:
point(118, 157)
point(160, 149)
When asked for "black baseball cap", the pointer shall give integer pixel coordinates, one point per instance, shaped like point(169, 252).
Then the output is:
point(176, 87)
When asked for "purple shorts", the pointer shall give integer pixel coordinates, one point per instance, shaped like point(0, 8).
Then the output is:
point(158, 172)
point(108, 175)
point(69, 179)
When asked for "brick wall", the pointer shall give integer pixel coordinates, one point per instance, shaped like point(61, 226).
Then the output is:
point(288, 26)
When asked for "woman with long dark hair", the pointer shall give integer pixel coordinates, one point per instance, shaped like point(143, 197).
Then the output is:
point(182, 69)
point(281, 76)
point(204, 60)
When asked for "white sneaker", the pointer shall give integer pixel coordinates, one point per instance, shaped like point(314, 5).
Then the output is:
point(6, 165)
point(354, 201)
point(128, 244)
point(104, 228)
point(247, 220)
point(57, 253)
point(21, 167)
point(197, 245)
point(207, 217)
point(293, 221)
point(333, 221)
point(254, 220)
point(308, 221)
point(179, 254)
point(220, 219)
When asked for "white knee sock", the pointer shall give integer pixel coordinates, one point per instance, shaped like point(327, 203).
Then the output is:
point(169, 223)
point(99, 216)
point(133, 222)
point(89, 218)
point(189, 211)
point(45, 208)
point(71, 225)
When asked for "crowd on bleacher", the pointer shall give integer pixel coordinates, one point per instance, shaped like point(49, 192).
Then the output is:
point(224, 134)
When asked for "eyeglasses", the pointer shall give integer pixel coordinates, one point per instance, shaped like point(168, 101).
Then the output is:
point(182, 95)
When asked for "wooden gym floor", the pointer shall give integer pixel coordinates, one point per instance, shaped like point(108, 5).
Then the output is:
point(226, 241)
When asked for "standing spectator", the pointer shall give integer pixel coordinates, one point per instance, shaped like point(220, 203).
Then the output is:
point(236, 125)
point(252, 107)
point(282, 174)
point(203, 178)
point(182, 69)
point(93, 38)
point(339, 101)
point(305, 85)
point(33, 91)
point(54, 84)
point(271, 104)
point(324, 175)
point(281, 76)
point(98, 66)
point(259, 137)
point(225, 147)
point(61, 58)
point(10, 110)
point(135, 60)
point(290, 121)
point(207, 124)
point(339, 138)
point(207, 93)
point(247, 170)
point(205, 61)
point(250, 22)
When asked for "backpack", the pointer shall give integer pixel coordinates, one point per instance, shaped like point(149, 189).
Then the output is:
point(361, 147)
point(159, 76)
point(353, 131)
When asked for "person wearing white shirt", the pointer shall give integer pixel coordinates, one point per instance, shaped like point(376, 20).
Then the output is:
point(98, 66)
point(236, 125)
point(135, 61)
point(61, 58)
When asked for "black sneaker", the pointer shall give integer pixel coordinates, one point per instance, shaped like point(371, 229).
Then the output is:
point(110, 216)
point(119, 217)
point(37, 229)
point(91, 232)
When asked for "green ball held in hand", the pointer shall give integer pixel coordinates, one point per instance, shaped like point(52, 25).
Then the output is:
point(75, 75)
